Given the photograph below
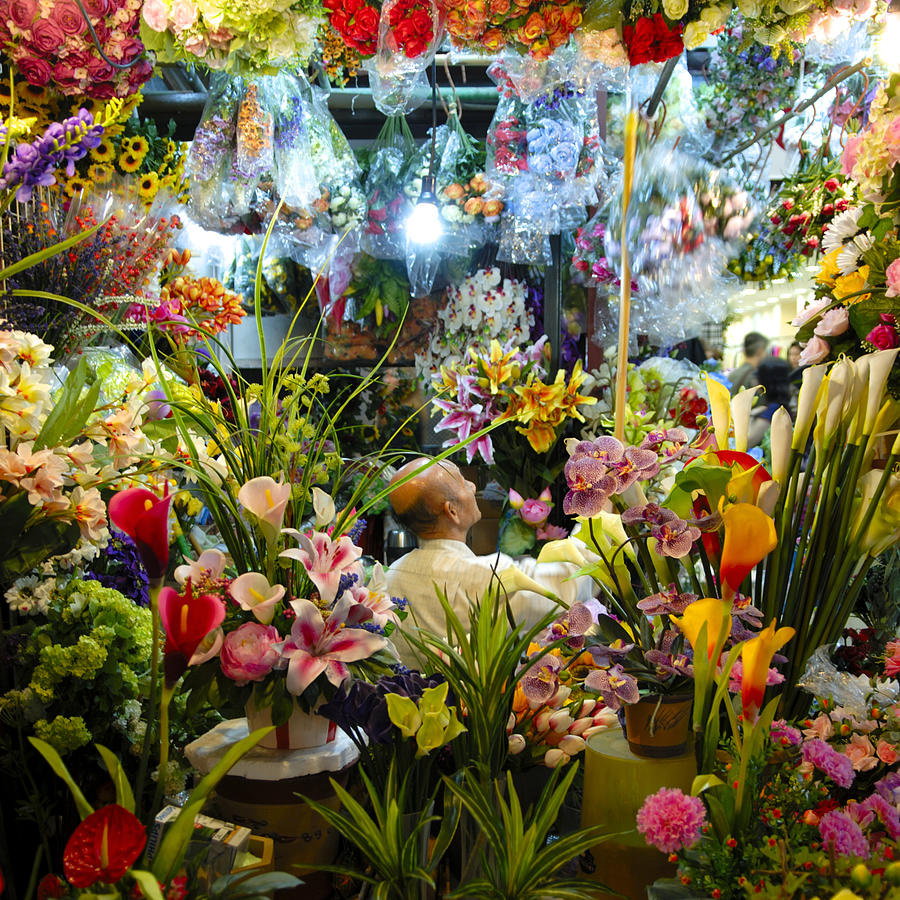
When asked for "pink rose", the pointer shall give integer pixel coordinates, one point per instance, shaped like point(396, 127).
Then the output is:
point(34, 69)
point(97, 9)
point(861, 753)
point(184, 14)
point(46, 36)
point(810, 311)
point(22, 12)
point(892, 274)
point(851, 151)
point(834, 322)
point(886, 752)
point(248, 653)
point(155, 14)
point(821, 727)
point(884, 336)
point(534, 512)
point(815, 351)
point(196, 45)
point(68, 16)
point(220, 38)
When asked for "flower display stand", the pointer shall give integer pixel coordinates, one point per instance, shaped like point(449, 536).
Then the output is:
point(260, 792)
point(616, 782)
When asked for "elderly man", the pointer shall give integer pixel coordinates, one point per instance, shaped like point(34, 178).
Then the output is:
point(439, 505)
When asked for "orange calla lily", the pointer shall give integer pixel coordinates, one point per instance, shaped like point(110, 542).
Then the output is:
point(757, 656)
point(712, 612)
point(749, 537)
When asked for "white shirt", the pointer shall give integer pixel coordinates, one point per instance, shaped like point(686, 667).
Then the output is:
point(452, 567)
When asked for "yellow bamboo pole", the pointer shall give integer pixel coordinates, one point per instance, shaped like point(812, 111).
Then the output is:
point(631, 122)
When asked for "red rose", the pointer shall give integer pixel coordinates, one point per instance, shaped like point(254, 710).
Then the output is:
point(68, 16)
point(22, 12)
point(367, 20)
point(421, 22)
point(415, 47)
point(352, 6)
point(668, 42)
point(339, 22)
point(883, 337)
point(47, 36)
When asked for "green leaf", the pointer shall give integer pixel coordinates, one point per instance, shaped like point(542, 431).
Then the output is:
point(169, 856)
point(710, 480)
point(55, 760)
point(147, 882)
point(34, 259)
point(517, 538)
point(72, 409)
point(124, 794)
point(244, 885)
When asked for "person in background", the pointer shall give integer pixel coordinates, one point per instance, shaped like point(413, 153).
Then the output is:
point(793, 354)
point(774, 375)
point(439, 506)
point(744, 375)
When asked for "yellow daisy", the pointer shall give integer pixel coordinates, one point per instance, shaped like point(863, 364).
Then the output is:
point(148, 186)
point(104, 152)
point(139, 146)
point(126, 145)
point(100, 173)
point(32, 93)
point(128, 162)
point(93, 106)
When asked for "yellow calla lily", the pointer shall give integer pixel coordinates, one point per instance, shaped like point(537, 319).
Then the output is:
point(749, 537)
point(720, 407)
point(715, 614)
point(757, 656)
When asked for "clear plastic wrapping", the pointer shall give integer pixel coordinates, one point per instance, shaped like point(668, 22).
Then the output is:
point(854, 693)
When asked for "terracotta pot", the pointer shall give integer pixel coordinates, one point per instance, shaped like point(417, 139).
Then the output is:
point(301, 731)
point(659, 725)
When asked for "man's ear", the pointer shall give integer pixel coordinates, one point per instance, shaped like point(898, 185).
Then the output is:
point(451, 511)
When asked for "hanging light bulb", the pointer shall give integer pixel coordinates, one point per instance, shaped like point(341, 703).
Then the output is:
point(424, 223)
point(423, 226)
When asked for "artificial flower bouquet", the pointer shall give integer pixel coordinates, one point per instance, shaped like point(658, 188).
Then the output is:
point(387, 205)
point(854, 310)
point(793, 227)
point(485, 306)
point(508, 385)
point(240, 37)
point(49, 44)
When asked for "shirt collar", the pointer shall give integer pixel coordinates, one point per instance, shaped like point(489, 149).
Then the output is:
point(457, 547)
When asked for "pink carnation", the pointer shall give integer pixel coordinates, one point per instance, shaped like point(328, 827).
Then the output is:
point(670, 820)
point(249, 652)
point(892, 276)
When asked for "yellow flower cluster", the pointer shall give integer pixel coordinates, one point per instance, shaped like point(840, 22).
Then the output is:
point(850, 286)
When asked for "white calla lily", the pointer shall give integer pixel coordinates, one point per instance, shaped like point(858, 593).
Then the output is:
point(879, 365)
point(324, 507)
point(781, 433)
point(807, 403)
point(741, 404)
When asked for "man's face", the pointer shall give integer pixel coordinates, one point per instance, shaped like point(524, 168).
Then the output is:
point(469, 512)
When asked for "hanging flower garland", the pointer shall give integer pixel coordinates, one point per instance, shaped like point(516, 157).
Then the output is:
point(50, 44)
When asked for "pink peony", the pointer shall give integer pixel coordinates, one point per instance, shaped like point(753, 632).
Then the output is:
point(670, 820)
point(534, 512)
point(155, 14)
point(833, 322)
point(68, 16)
point(249, 652)
point(46, 36)
point(184, 14)
point(22, 12)
point(815, 351)
point(851, 151)
point(892, 274)
point(34, 69)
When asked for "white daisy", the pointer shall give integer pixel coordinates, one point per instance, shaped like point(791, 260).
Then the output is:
point(841, 228)
point(848, 258)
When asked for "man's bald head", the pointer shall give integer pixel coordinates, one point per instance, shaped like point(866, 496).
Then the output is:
point(434, 502)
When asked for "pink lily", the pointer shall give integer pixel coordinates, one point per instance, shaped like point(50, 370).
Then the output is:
point(208, 567)
point(254, 593)
point(325, 560)
point(267, 500)
point(375, 597)
point(316, 645)
point(464, 421)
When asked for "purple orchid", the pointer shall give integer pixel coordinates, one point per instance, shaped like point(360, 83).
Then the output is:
point(675, 537)
point(608, 654)
point(541, 681)
point(316, 645)
point(638, 465)
point(591, 484)
point(614, 685)
point(666, 603)
point(657, 440)
point(571, 626)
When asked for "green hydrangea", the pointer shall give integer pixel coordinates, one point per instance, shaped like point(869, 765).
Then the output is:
point(90, 654)
point(65, 733)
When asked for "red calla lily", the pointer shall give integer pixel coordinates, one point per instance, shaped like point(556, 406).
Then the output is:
point(103, 847)
point(187, 620)
point(144, 517)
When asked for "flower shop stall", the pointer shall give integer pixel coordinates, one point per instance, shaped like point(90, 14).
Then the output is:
point(223, 336)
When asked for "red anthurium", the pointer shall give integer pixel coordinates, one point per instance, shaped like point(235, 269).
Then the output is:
point(103, 847)
point(187, 620)
point(743, 462)
point(144, 516)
